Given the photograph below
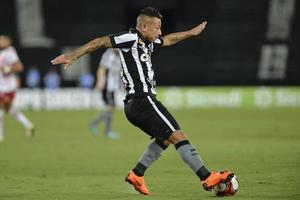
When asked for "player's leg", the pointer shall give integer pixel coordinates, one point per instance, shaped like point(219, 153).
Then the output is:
point(150, 155)
point(190, 156)
point(1, 121)
point(111, 106)
point(171, 131)
point(108, 113)
point(101, 116)
point(185, 149)
point(20, 117)
point(155, 120)
point(141, 113)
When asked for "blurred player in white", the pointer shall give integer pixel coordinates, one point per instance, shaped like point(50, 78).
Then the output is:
point(10, 65)
point(108, 82)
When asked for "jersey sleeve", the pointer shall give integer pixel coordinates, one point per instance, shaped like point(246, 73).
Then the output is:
point(123, 40)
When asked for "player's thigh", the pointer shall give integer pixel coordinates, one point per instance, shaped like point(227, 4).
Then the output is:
point(6, 100)
point(8, 106)
point(177, 136)
point(132, 109)
point(163, 124)
point(1, 105)
point(152, 117)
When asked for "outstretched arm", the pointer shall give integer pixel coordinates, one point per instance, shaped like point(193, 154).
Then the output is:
point(14, 68)
point(68, 59)
point(174, 38)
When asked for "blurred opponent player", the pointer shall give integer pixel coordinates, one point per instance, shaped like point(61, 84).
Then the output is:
point(10, 65)
point(108, 82)
point(141, 107)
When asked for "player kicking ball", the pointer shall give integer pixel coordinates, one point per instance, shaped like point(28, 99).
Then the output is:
point(141, 107)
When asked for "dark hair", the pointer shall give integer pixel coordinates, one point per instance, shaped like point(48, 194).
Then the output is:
point(5, 35)
point(151, 12)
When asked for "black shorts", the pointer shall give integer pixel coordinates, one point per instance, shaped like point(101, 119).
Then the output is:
point(108, 97)
point(151, 116)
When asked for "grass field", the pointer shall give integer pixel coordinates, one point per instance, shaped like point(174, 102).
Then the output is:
point(65, 162)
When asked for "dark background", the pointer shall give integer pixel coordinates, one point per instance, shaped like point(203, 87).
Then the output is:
point(227, 53)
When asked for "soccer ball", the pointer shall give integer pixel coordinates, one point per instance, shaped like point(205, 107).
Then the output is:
point(227, 187)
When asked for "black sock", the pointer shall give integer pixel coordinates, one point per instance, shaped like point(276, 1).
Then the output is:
point(139, 169)
point(203, 173)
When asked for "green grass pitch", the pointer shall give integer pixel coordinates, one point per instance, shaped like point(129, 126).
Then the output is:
point(65, 162)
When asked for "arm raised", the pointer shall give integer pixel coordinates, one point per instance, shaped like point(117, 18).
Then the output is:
point(174, 38)
point(68, 59)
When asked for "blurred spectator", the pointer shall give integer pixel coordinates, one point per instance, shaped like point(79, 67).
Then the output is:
point(33, 77)
point(52, 79)
point(86, 80)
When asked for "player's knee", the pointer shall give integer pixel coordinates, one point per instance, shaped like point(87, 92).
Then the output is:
point(163, 143)
point(111, 108)
point(167, 143)
point(177, 136)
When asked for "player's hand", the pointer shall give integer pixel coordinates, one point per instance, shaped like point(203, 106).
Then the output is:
point(6, 70)
point(198, 29)
point(64, 59)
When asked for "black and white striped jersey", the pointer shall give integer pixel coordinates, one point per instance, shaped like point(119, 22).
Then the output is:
point(135, 53)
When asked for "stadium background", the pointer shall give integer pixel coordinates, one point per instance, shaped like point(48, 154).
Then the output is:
point(239, 107)
point(246, 42)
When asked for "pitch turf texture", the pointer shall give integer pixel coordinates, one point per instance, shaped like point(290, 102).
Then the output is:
point(64, 161)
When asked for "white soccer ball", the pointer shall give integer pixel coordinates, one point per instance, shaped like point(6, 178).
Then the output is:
point(228, 187)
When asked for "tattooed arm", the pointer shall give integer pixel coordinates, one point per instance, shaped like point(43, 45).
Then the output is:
point(68, 59)
point(174, 38)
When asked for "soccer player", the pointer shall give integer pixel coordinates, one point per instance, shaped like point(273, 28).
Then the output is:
point(108, 82)
point(141, 107)
point(10, 65)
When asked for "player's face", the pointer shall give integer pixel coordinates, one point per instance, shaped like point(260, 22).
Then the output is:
point(153, 29)
point(4, 42)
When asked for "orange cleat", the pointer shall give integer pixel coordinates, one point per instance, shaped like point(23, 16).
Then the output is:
point(215, 178)
point(137, 182)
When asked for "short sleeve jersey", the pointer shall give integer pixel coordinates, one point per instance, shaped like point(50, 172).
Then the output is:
point(135, 53)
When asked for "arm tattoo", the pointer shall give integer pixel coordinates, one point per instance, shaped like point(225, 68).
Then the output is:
point(174, 38)
point(90, 47)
